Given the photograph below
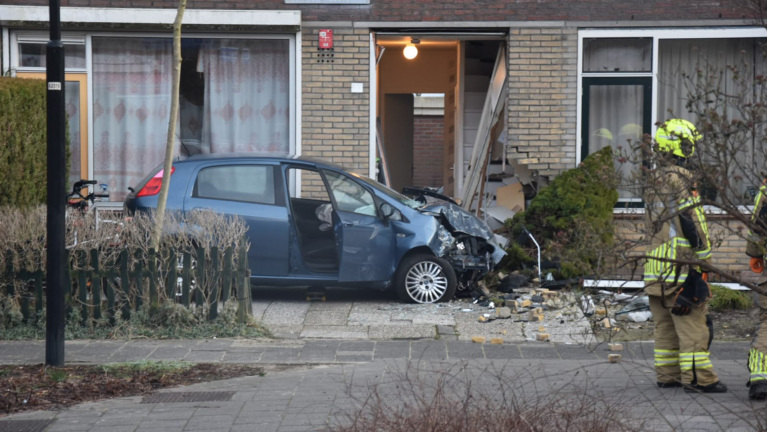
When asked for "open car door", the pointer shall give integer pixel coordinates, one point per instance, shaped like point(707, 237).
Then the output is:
point(365, 240)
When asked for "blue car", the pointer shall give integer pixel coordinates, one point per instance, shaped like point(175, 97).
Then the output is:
point(314, 224)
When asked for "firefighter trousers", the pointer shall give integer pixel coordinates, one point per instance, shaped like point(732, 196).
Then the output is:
point(681, 344)
point(757, 356)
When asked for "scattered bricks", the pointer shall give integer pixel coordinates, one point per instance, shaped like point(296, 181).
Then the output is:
point(615, 347)
point(542, 329)
point(614, 358)
point(496, 341)
point(542, 337)
point(535, 315)
point(606, 323)
point(537, 299)
point(478, 339)
point(525, 303)
point(512, 303)
point(600, 310)
point(503, 312)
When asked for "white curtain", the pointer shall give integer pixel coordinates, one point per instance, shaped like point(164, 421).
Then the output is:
point(680, 58)
point(615, 119)
point(246, 96)
point(131, 109)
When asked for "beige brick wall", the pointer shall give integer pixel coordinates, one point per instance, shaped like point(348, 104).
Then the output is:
point(335, 121)
point(542, 98)
point(727, 236)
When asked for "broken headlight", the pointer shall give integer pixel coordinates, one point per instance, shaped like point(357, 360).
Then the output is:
point(446, 240)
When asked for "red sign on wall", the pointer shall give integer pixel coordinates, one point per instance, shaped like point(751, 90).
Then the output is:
point(326, 38)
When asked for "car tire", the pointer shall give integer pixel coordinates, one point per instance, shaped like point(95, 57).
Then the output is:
point(424, 278)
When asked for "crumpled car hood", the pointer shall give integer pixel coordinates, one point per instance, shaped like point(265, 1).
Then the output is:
point(459, 219)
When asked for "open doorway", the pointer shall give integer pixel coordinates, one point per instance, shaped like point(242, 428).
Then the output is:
point(429, 108)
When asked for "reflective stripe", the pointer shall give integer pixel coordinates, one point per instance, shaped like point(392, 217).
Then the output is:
point(704, 254)
point(688, 202)
point(757, 364)
point(663, 267)
point(757, 201)
point(666, 357)
point(699, 360)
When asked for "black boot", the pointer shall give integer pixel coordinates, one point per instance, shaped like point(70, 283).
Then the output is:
point(758, 390)
point(716, 387)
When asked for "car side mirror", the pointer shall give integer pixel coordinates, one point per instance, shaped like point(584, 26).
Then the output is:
point(386, 210)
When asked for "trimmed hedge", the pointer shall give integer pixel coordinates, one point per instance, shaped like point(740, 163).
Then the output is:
point(23, 142)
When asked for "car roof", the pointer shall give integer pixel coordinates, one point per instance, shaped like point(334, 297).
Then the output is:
point(266, 157)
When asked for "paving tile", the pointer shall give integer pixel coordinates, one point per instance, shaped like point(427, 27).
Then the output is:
point(392, 349)
point(428, 350)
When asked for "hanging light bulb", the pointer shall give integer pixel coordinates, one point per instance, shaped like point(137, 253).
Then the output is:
point(411, 51)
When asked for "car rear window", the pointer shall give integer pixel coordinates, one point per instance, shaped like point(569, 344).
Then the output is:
point(245, 183)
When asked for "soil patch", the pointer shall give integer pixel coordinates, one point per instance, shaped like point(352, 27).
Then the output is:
point(39, 387)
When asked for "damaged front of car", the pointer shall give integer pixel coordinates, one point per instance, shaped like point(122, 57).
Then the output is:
point(433, 237)
point(465, 241)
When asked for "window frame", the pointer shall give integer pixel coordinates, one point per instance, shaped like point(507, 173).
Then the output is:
point(12, 59)
point(656, 34)
point(646, 83)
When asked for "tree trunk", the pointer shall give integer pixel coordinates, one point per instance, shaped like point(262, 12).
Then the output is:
point(163, 197)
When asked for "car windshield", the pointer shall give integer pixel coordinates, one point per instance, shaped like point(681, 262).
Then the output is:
point(390, 192)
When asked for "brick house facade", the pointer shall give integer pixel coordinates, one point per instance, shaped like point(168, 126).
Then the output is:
point(340, 93)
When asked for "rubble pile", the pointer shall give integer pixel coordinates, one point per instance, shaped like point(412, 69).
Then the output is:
point(544, 314)
point(528, 304)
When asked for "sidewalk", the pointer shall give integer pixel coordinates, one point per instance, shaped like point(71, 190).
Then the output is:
point(326, 352)
point(313, 389)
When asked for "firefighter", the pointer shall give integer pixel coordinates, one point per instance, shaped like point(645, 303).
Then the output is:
point(755, 248)
point(678, 240)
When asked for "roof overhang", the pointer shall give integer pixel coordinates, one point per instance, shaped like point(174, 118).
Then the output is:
point(145, 16)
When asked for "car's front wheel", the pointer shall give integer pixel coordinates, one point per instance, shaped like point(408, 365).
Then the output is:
point(424, 278)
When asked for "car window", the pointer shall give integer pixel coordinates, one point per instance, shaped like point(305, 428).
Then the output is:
point(349, 195)
point(307, 184)
point(246, 183)
point(389, 192)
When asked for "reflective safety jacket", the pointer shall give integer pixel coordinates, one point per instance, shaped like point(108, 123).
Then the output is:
point(676, 229)
point(755, 245)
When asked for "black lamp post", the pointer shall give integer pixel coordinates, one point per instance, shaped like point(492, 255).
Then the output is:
point(55, 310)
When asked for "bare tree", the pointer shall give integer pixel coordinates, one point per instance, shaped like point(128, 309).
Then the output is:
point(163, 197)
point(728, 105)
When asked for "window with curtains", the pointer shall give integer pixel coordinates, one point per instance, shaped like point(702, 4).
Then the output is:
point(621, 101)
point(234, 97)
point(684, 65)
point(616, 102)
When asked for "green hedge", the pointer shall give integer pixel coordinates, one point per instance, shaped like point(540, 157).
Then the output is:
point(23, 141)
point(572, 218)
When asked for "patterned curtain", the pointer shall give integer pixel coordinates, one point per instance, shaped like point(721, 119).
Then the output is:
point(246, 96)
point(131, 108)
